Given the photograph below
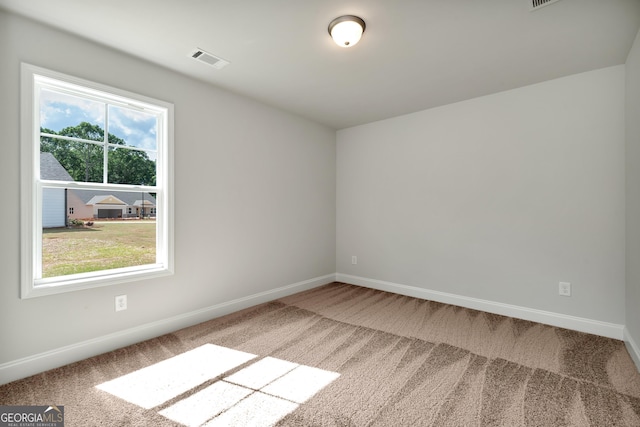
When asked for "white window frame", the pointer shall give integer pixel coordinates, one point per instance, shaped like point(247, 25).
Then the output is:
point(31, 187)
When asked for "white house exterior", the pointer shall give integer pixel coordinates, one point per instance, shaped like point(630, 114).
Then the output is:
point(53, 199)
point(53, 208)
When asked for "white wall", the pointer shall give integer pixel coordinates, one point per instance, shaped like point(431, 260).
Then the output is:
point(495, 199)
point(254, 206)
point(633, 200)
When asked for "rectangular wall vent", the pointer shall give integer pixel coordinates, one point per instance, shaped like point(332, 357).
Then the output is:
point(209, 59)
point(537, 4)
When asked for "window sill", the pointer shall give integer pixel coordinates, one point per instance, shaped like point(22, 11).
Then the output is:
point(77, 282)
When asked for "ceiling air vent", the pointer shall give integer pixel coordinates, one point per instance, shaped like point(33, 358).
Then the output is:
point(537, 4)
point(209, 59)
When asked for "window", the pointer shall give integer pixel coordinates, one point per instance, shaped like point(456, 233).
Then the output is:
point(92, 151)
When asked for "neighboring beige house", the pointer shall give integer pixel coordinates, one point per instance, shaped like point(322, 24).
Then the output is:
point(76, 208)
point(89, 204)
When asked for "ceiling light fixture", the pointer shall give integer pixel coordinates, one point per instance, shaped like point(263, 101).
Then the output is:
point(346, 30)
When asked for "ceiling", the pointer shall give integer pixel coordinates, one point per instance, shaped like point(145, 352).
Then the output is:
point(414, 54)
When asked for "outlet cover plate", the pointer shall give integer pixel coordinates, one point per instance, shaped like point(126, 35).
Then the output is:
point(121, 302)
point(564, 289)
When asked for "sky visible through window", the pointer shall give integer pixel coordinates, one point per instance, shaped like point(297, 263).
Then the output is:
point(137, 128)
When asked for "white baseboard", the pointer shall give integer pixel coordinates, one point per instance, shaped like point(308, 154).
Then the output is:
point(632, 347)
point(610, 330)
point(41, 362)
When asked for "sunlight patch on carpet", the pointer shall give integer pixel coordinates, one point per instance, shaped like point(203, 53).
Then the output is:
point(301, 384)
point(260, 394)
point(261, 373)
point(257, 410)
point(156, 384)
point(200, 407)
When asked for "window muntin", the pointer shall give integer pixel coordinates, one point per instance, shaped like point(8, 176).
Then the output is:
point(131, 166)
point(82, 160)
point(136, 128)
point(130, 157)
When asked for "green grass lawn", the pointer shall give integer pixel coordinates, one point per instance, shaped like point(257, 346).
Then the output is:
point(103, 246)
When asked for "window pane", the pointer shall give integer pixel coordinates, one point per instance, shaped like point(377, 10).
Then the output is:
point(72, 116)
point(133, 128)
point(85, 236)
point(106, 230)
point(62, 160)
point(127, 166)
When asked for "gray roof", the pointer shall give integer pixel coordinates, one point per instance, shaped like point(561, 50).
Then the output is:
point(50, 168)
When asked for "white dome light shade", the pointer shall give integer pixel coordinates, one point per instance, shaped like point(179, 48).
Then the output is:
point(346, 30)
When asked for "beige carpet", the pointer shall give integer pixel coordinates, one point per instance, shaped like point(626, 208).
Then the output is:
point(341, 355)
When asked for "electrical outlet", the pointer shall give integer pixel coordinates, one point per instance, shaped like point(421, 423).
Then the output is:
point(564, 289)
point(354, 259)
point(121, 302)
